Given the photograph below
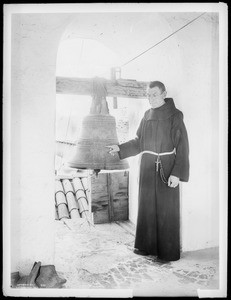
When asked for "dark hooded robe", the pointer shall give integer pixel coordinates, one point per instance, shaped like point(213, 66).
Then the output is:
point(158, 222)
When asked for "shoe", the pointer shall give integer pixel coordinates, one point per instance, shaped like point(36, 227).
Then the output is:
point(161, 261)
point(48, 278)
point(140, 252)
point(29, 280)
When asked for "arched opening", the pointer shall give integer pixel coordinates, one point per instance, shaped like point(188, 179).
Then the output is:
point(82, 53)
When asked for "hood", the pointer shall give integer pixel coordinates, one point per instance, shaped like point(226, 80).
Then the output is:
point(163, 112)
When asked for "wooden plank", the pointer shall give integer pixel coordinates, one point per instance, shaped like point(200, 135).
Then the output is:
point(101, 217)
point(125, 88)
point(78, 174)
point(99, 198)
point(120, 209)
point(109, 196)
point(119, 187)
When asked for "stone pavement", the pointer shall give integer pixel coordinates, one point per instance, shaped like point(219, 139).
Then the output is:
point(101, 257)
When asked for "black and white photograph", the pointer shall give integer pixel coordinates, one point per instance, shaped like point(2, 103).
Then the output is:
point(115, 156)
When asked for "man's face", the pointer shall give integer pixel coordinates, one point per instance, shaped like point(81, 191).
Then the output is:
point(156, 96)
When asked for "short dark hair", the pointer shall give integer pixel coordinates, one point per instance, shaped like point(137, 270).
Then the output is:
point(159, 84)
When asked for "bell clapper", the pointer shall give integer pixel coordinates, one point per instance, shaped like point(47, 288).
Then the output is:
point(96, 172)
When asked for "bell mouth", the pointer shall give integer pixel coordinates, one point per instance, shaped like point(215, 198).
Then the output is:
point(111, 166)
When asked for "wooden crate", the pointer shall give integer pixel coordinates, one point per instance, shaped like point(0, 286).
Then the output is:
point(109, 196)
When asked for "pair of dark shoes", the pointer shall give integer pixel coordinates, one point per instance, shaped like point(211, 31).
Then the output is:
point(42, 277)
point(144, 253)
point(140, 252)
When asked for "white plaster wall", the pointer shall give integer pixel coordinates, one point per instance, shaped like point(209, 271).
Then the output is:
point(200, 198)
point(34, 41)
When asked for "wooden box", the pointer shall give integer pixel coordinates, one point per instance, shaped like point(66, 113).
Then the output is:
point(109, 196)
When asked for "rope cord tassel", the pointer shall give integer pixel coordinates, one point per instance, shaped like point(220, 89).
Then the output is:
point(162, 174)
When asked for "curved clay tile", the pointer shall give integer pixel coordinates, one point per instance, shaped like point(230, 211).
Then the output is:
point(74, 213)
point(60, 198)
point(58, 186)
point(81, 197)
point(78, 187)
point(67, 186)
point(63, 211)
point(71, 201)
point(84, 181)
point(61, 201)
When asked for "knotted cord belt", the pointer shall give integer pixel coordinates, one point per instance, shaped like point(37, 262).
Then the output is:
point(158, 161)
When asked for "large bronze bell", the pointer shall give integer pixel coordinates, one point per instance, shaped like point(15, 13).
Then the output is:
point(98, 131)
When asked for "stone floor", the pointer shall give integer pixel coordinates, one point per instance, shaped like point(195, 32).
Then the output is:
point(101, 257)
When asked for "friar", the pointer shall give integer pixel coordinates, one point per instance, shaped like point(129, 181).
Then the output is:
point(162, 142)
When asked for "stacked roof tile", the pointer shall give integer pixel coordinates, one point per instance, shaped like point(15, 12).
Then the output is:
point(71, 198)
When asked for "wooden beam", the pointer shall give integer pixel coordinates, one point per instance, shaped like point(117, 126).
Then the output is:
point(124, 88)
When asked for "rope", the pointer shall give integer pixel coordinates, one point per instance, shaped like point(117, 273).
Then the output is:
point(162, 40)
point(163, 178)
point(65, 148)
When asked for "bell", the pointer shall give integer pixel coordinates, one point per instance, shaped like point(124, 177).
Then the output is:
point(90, 152)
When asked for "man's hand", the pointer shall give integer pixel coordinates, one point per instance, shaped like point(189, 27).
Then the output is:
point(113, 149)
point(173, 181)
